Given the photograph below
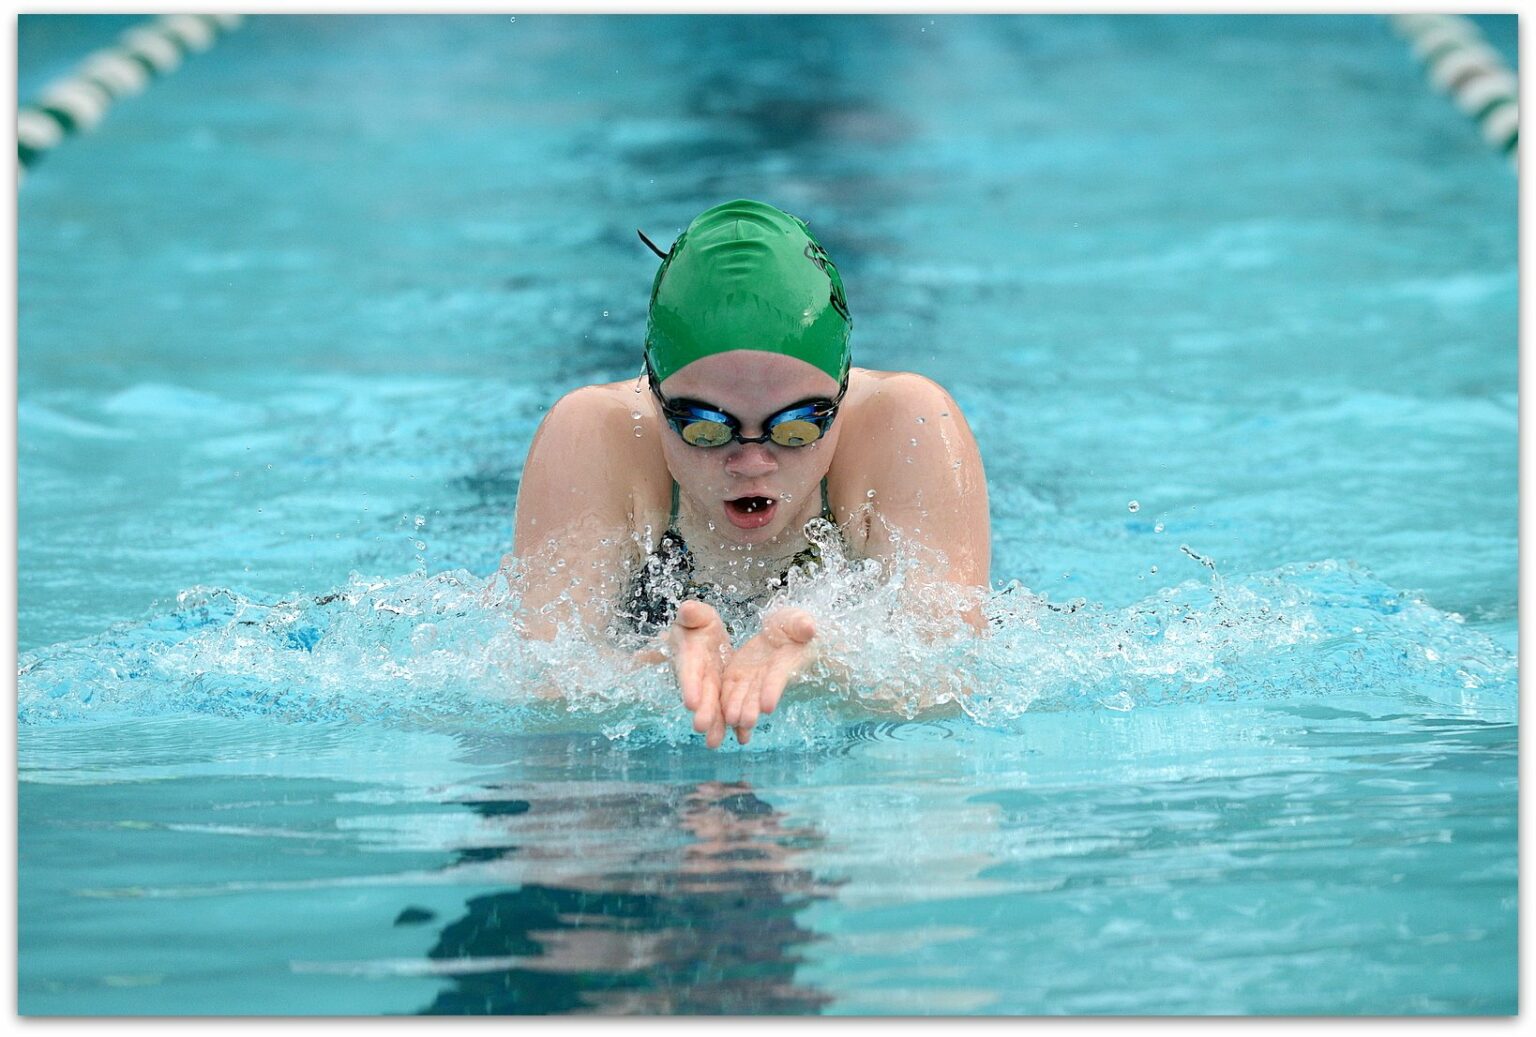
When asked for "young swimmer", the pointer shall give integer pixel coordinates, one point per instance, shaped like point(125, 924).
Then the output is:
point(754, 426)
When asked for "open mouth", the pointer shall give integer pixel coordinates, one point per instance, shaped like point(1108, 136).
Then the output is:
point(751, 512)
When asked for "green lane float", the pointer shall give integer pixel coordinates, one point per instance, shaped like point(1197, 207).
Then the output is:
point(76, 103)
point(1460, 62)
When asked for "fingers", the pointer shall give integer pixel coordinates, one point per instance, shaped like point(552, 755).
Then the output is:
point(773, 685)
point(706, 708)
point(690, 677)
point(737, 686)
point(694, 615)
point(700, 648)
point(797, 625)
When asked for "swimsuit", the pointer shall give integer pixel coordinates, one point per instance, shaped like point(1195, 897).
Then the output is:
point(665, 578)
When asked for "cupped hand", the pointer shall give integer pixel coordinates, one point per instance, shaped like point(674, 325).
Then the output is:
point(756, 675)
point(701, 648)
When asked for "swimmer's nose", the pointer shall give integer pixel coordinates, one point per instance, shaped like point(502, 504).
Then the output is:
point(751, 460)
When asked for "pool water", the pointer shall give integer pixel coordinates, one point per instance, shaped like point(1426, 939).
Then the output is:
point(1230, 303)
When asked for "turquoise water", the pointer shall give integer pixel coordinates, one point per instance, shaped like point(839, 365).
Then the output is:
point(1231, 305)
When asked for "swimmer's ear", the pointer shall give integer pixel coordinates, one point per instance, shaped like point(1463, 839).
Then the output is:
point(651, 244)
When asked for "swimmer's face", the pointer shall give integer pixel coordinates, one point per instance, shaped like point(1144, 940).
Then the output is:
point(751, 493)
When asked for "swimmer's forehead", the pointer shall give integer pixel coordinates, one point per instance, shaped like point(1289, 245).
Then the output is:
point(750, 379)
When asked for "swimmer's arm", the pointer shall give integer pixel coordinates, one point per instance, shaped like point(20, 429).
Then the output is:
point(918, 463)
point(574, 507)
point(572, 531)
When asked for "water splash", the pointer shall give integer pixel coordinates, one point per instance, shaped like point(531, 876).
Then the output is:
point(446, 651)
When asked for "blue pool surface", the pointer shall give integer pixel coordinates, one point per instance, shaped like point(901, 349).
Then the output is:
point(1230, 303)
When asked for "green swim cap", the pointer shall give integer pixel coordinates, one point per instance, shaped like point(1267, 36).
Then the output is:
point(745, 275)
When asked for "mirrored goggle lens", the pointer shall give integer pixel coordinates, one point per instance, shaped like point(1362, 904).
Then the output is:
point(798, 432)
point(705, 433)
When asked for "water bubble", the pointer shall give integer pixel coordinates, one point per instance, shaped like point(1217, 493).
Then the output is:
point(1133, 506)
point(1153, 570)
point(1157, 528)
point(605, 313)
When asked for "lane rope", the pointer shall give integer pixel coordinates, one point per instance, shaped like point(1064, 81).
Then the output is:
point(1459, 62)
point(76, 103)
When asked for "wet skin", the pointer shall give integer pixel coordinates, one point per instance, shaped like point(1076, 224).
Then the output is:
point(598, 481)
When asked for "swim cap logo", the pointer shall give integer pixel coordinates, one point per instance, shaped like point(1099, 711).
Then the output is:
point(818, 255)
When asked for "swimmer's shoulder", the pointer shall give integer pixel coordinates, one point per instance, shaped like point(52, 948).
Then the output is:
point(879, 397)
point(592, 432)
point(880, 406)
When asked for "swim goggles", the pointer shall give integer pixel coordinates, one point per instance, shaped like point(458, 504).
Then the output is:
point(799, 424)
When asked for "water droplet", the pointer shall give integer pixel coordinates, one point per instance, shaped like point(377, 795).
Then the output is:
point(559, 563)
point(635, 414)
point(957, 465)
point(1153, 569)
point(605, 313)
point(912, 442)
point(909, 460)
point(1157, 528)
point(870, 494)
point(922, 420)
point(1133, 506)
point(637, 432)
point(943, 413)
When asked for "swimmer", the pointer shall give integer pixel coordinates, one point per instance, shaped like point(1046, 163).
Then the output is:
point(748, 425)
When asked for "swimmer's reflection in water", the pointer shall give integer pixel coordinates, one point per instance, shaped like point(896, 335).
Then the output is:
point(694, 914)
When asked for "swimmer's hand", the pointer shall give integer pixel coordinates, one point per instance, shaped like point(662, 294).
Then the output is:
point(755, 677)
point(701, 649)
